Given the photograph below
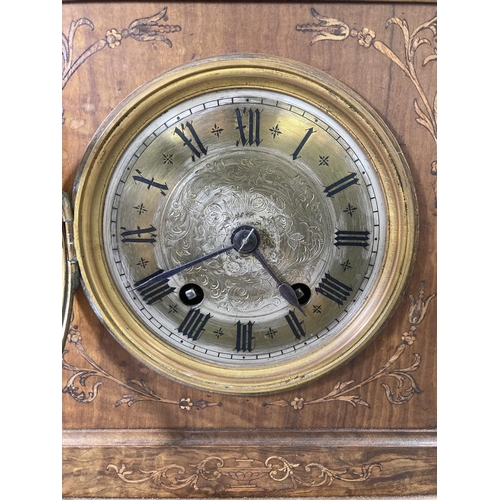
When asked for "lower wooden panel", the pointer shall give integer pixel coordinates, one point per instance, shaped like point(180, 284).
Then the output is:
point(240, 463)
point(378, 497)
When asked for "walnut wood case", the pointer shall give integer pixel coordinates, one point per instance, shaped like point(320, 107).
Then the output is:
point(367, 428)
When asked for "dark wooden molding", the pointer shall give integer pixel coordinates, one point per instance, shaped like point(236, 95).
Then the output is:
point(237, 438)
point(430, 2)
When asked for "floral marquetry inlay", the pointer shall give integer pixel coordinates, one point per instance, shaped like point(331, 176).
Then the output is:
point(335, 30)
point(399, 382)
point(364, 430)
point(405, 384)
point(137, 390)
point(237, 475)
point(147, 29)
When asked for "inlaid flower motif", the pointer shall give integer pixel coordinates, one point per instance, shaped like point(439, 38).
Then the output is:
point(74, 335)
point(419, 304)
point(185, 404)
point(366, 37)
point(113, 38)
point(409, 337)
point(297, 403)
point(153, 28)
point(327, 28)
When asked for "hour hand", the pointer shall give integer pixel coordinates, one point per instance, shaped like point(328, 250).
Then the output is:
point(286, 291)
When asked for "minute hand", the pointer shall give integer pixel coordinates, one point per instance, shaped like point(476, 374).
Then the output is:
point(286, 291)
point(164, 275)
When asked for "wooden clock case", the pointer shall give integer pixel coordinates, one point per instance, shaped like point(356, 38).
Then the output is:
point(366, 429)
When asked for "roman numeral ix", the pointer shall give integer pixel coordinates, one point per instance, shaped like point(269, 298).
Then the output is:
point(136, 235)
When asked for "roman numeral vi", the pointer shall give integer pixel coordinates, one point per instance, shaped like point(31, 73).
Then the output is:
point(244, 337)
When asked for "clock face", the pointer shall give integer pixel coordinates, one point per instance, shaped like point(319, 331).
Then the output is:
point(243, 232)
point(225, 166)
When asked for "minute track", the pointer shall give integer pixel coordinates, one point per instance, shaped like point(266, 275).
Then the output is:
point(165, 283)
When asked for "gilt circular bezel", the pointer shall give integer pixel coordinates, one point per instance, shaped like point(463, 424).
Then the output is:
point(244, 72)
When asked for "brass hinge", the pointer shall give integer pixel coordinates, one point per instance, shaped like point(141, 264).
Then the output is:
point(69, 266)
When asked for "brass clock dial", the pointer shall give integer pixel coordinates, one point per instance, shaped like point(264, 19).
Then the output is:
point(244, 224)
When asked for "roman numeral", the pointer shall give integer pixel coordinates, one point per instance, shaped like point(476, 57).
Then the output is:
point(189, 142)
point(340, 185)
point(253, 127)
point(309, 132)
point(150, 183)
point(193, 324)
point(334, 289)
point(136, 235)
point(152, 291)
point(351, 238)
point(295, 325)
point(244, 337)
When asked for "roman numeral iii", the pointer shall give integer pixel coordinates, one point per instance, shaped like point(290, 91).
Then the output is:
point(351, 238)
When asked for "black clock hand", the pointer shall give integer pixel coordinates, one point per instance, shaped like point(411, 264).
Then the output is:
point(160, 277)
point(286, 291)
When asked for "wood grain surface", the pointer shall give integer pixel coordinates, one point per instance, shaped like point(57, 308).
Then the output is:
point(161, 464)
point(389, 58)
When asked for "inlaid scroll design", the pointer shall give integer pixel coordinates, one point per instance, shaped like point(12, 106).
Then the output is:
point(147, 29)
point(76, 386)
point(331, 29)
point(405, 384)
point(243, 474)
